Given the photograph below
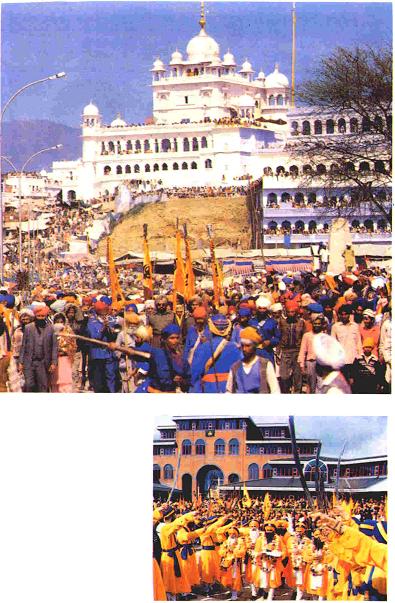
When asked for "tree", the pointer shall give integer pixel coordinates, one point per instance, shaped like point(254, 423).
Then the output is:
point(350, 89)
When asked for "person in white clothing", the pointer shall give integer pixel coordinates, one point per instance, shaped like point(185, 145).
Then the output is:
point(330, 358)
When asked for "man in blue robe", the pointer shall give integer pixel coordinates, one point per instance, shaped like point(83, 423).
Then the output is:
point(213, 358)
point(168, 370)
point(197, 333)
point(103, 362)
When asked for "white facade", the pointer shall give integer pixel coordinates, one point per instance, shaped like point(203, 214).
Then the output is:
point(204, 129)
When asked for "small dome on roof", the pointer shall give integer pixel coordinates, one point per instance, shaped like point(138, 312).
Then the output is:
point(261, 75)
point(202, 48)
point(276, 79)
point(158, 65)
point(246, 67)
point(118, 122)
point(91, 109)
point(216, 62)
point(229, 59)
point(176, 57)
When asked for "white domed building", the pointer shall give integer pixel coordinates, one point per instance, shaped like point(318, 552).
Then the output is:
point(203, 131)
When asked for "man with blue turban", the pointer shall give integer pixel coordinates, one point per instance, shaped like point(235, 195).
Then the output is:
point(213, 358)
point(168, 370)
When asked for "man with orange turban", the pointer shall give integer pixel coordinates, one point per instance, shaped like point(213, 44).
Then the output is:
point(252, 374)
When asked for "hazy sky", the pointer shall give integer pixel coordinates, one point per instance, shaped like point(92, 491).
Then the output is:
point(107, 48)
point(364, 436)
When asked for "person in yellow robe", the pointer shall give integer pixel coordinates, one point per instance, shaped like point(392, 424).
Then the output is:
point(232, 553)
point(175, 582)
point(269, 552)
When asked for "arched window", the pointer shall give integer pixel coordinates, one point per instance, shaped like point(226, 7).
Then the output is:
point(272, 225)
point(299, 226)
point(334, 168)
point(165, 145)
point(137, 145)
point(156, 145)
point(107, 170)
point(175, 166)
point(186, 447)
point(312, 198)
point(378, 124)
point(306, 130)
point(184, 166)
point(355, 223)
point(233, 478)
point(307, 169)
point(341, 125)
point(146, 145)
point(208, 163)
point(234, 447)
point(200, 447)
point(204, 142)
point(185, 144)
point(379, 166)
point(330, 126)
point(317, 127)
point(280, 99)
point(156, 167)
point(364, 166)
point(321, 169)
point(310, 468)
point(350, 167)
point(286, 225)
point(129, 146)
point(272, 100)
point(111, 146)
point(253, 471)
point(299, 198)
point(365, 124)
point(136, 169)
point(285, 198)
point(295, 127)
point(168, 472)
point(280, 170)
point(164, 167)
point(219, 447)
point(272, 200)
point(127, 169)
point(312, 226)
point(195, 144)
point(147, 167)
point(294, 170)
point(193, 165)
point(119, 169)
point(103, 148)
point(353, 125)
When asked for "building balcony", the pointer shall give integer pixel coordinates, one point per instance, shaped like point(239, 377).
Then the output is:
point(309, 238)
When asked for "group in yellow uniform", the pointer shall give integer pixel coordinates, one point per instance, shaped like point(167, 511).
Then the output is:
point(323, 556)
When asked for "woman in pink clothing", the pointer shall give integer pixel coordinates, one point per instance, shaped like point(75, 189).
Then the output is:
point(62, 378)
point(307, 357)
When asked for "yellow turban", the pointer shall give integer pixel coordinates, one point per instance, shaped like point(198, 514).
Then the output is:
point(250, 334)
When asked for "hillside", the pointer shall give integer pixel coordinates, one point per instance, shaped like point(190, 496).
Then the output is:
point(228, 216)
point(23, 138)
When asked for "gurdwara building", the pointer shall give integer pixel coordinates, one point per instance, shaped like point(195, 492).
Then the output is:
point(212, 122)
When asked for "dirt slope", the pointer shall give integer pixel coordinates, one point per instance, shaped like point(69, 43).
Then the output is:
point(228, 216)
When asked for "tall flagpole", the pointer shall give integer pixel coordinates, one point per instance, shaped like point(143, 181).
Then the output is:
point(293, 54)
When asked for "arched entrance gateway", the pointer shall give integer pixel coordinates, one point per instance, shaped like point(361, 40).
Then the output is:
point(187, 486)
point(208, 477)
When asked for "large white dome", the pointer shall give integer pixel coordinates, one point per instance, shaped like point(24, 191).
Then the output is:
point(202, 48)
point(91, 109)
point(276, 79)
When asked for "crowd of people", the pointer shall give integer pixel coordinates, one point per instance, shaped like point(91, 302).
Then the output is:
point(268, 333)
point(270, 549)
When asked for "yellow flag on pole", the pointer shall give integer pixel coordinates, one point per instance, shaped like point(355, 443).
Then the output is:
point(117, 296)
point(189, 275)
point(179, 273)
point(246, 502)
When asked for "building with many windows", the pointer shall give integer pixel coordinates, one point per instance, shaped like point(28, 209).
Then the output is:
point(196, 453)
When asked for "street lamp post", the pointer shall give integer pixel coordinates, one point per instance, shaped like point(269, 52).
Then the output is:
point(56, 76)
point(20, 175)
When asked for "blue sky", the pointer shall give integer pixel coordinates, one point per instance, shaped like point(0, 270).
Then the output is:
point(364, 436)
point(107, 48)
